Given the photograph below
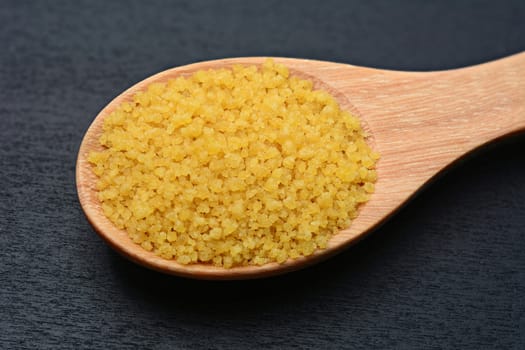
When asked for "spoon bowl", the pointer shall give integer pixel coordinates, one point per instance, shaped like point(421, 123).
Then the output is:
point(420, 123)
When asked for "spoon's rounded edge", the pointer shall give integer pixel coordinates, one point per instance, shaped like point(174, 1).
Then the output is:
point(119, 239)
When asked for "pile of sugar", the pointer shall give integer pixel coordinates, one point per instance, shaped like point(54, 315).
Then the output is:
point(240, 166)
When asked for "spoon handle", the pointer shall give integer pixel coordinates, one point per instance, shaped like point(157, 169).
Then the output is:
point(428, 120)
point(422, 122)
point(455, 110)
point(480, 103)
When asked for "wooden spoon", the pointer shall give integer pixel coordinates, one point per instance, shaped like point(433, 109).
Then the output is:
point(420, 123)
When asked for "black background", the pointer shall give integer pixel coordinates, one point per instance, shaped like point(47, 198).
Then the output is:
point(447, 272)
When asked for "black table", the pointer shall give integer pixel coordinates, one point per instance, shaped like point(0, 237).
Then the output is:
point(447, 272)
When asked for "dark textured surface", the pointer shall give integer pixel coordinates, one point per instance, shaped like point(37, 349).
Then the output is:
point(447, 272)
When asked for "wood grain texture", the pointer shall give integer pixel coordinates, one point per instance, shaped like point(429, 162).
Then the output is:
point(420, 123)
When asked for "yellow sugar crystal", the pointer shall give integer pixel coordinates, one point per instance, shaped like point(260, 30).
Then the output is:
point(233, 167)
